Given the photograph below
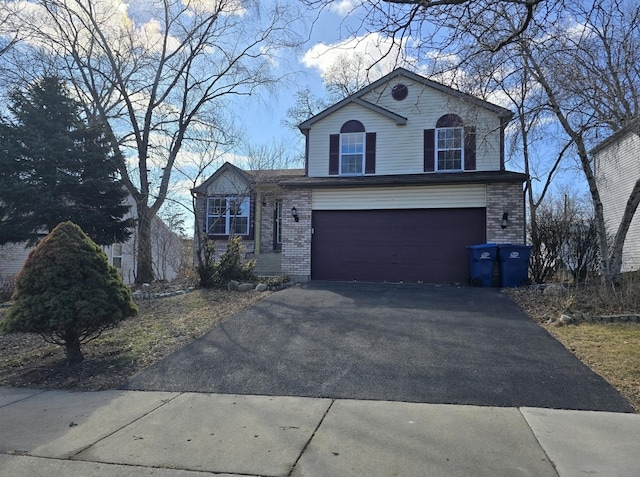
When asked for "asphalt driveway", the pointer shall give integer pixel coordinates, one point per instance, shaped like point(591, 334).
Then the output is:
point(412, 343)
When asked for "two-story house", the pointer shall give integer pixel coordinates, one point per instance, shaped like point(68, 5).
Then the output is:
point(399, 178)
point(617, 168)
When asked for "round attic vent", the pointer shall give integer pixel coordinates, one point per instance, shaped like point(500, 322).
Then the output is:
point(399, 92)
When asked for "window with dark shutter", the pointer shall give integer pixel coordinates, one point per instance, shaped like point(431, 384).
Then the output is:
point(353, 151)
point(370, 161)
point(334, 154)
point(470, 148)
point(429, 150)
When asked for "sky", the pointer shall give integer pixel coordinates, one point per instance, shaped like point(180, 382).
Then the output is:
point(328, 39)
point(260, 117)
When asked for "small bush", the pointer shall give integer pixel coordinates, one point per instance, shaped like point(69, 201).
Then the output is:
point(206, 263)
point(67, 292)
point(232, 266)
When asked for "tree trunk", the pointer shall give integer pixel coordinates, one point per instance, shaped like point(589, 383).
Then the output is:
point(72, 347)
point(144, 266)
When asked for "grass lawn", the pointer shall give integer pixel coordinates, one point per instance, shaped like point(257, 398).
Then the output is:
point(162, 325)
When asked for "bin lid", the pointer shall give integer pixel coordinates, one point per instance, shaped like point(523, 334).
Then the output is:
point(482, 245)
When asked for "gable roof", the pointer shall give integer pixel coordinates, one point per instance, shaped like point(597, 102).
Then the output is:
point(226, 167)
point(252, 177)
point(629, 127)
point(401, 72)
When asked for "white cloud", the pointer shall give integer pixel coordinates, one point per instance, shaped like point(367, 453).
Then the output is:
point(344, 7)
point(381, 54)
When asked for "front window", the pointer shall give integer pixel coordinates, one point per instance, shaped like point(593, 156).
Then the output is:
point(116, 255)
point(228, 215)
point(352, 154)
point(449, 147)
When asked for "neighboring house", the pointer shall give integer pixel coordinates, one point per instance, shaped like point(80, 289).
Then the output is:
point(167, 249)
point(617, 167)
point(399, 178)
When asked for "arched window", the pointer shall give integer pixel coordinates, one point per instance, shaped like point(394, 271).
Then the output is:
point(449, 143)
point(352, 152)
point(450, 146)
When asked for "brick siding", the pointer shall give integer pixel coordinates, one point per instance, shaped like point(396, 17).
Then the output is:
point(296, 237)
point(507, 198)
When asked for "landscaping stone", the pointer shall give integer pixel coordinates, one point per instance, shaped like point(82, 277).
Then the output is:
point(245, 287)
point(566, 319)
point(260, 287)
point(233, 285)
point(555, 289)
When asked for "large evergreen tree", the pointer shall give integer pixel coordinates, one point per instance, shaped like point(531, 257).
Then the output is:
point(54, 167)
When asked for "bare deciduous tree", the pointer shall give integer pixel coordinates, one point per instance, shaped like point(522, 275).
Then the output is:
point(157, 71)
point(599, 94)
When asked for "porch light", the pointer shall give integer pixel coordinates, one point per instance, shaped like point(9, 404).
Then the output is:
point(294, 213)
point(505, 220)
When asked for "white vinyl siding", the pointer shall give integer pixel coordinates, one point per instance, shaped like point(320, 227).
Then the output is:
point(376, 198)
point(399, 148)
point(617, 169)
point(12, 258)
point(230, 183)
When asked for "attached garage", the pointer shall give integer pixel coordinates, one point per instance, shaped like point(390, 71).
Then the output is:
point(409, 245)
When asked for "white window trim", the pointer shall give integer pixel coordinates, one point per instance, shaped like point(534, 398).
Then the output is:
point(115, 255)
point(227, 215)
point(364, 154)
point(437, 150)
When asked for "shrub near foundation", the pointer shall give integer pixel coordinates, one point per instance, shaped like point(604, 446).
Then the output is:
point(67, 292)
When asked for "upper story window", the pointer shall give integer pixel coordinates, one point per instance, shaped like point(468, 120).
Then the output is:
point(353, 151)
point(352, 148)
point(351, 154)
point(449, 143)
point(228, 215)
point(450, 147)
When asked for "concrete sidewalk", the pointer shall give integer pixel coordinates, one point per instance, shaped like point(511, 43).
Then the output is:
point(130, 433)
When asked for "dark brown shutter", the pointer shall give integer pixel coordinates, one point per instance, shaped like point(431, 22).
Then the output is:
point(429, 149)
point(334, 154)
point(370, 160)
point(470, 148)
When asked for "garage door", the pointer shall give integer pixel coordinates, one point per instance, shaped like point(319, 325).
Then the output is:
point(426, 245)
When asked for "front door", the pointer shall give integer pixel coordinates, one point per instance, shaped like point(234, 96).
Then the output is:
point(277, 227)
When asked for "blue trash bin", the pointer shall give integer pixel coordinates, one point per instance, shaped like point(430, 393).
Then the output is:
point(481, 259)
point(514, 265)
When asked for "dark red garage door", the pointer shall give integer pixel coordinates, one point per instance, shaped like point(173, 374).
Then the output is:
point(426, 245)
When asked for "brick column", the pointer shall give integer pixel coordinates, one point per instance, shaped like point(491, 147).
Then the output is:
point(296, 236)
point(509, 198)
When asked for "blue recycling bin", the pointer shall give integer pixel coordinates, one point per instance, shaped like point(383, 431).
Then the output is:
point(514, 265)
point(481, 259)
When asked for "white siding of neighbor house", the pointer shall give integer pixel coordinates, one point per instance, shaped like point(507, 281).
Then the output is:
point(375, 198)
point(399, 148)
point(12, 257)
point(166, 253)
point(617, 169)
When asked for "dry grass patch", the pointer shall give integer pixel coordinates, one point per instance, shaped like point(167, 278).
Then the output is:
point(163, 325)
point(610, 349)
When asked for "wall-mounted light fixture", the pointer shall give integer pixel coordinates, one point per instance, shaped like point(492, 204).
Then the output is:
point(505, 220)
point(294, 214)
